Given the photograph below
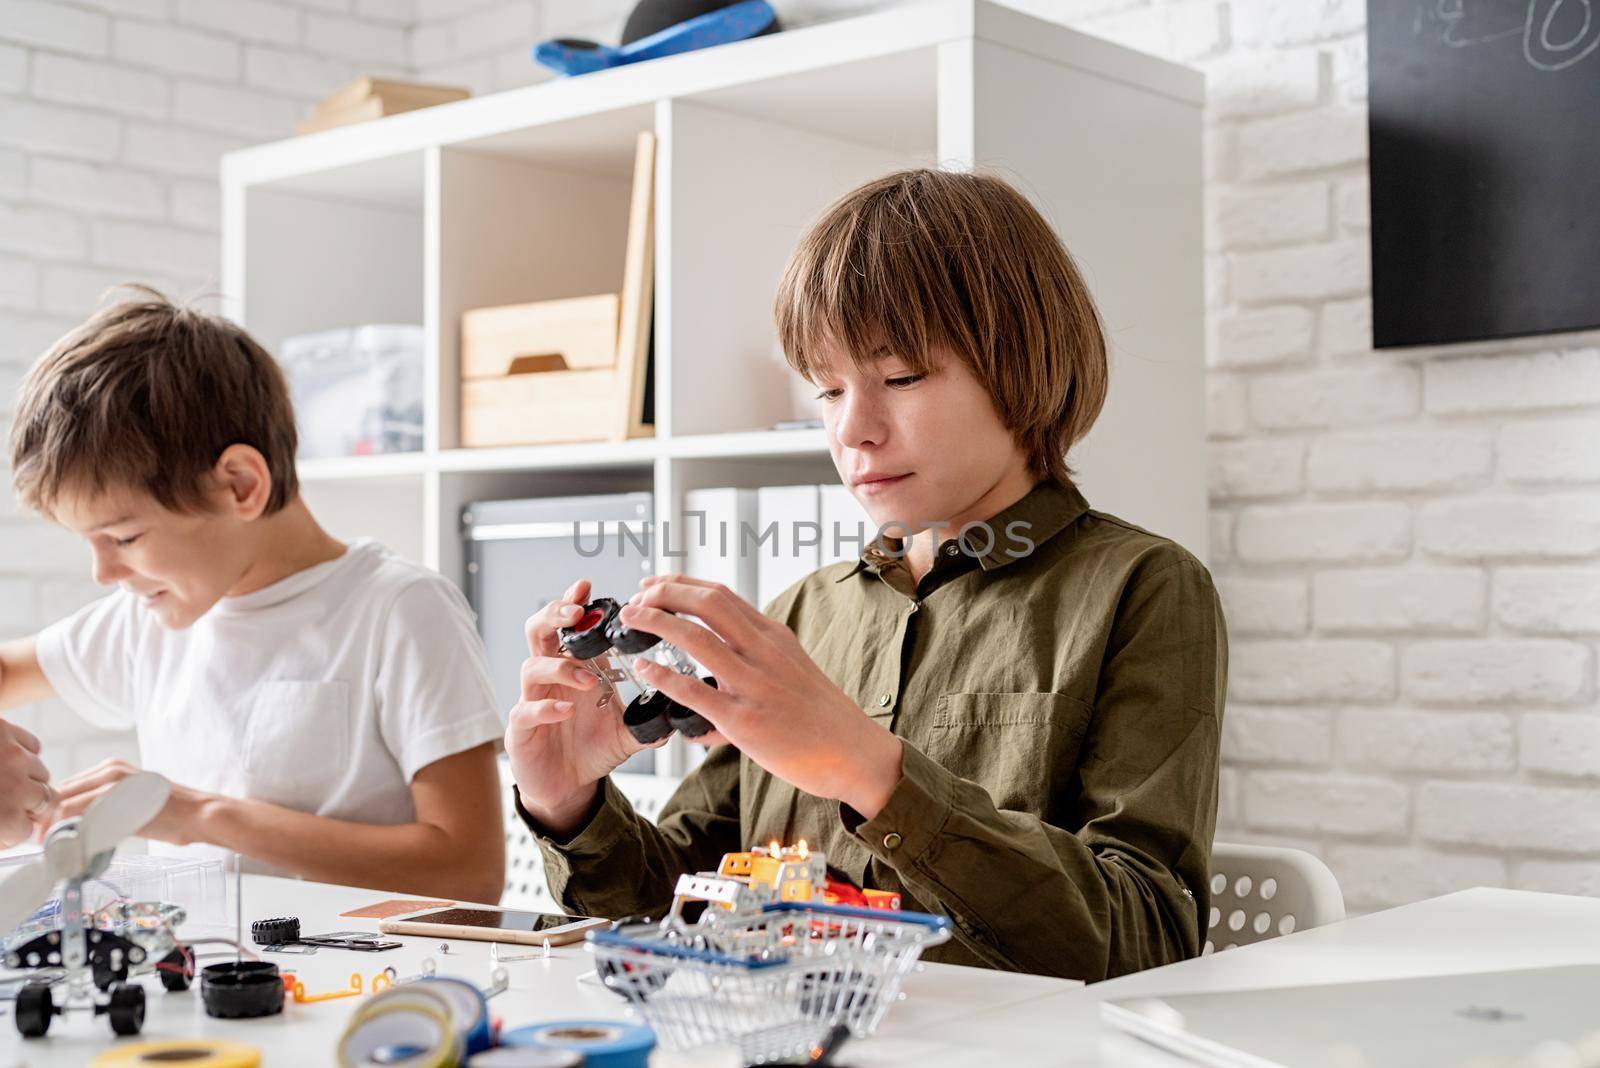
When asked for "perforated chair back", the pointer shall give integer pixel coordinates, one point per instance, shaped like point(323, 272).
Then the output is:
point(1260, 892)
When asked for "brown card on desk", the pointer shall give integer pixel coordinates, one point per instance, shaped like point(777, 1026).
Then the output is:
point(395, 906)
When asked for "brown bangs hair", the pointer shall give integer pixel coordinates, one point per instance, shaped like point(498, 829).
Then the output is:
point(146, 395)
point(925, 259)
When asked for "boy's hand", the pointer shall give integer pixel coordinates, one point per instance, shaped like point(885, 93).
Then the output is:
point(175, 823)
point(772, 701)
point(25, 792)
point(560, 742)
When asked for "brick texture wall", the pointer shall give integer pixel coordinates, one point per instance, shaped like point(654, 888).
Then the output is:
point(113, 117)
point(1408, 543)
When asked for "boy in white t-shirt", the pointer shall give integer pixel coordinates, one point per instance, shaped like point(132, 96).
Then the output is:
point(322, 708)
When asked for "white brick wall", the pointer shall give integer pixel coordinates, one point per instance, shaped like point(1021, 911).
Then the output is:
point(1407, 543)
point(113, 116)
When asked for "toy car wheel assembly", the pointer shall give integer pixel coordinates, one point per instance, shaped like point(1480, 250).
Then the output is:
point(597, 636)
point(653, 715)
point(177, 969)
point(126, 1008)
point(34, 1009)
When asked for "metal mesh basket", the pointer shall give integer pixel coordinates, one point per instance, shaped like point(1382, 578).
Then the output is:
point(774, 981)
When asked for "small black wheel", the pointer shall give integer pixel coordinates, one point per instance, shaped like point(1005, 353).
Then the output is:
point(126, 1008)
point(176, 969)
point(646, 718)
point(624, 639)
point(587, 639)
point(686, 720)
point(34, 1008)
point(277, 931)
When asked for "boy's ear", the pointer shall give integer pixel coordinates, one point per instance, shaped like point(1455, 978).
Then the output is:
point(243, 481)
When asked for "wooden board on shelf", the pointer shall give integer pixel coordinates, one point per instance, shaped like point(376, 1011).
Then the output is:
point(581, 330)
point(375, 98)
point(532, 409)
point(638, 296)
point(418, 94)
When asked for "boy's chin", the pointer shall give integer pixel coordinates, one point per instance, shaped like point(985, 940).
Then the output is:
point(176, 615)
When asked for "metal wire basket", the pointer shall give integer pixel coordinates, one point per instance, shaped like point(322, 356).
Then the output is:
point(775, 981)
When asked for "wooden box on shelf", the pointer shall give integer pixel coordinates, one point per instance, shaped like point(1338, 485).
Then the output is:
point(567, 370)
point(562, 387)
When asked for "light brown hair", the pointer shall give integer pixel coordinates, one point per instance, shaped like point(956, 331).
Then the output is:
point(146, 395)
point(922, 259)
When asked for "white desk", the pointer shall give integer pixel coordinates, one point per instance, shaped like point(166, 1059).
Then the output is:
point(935, 1025)
point(1472, 931)
point(952, 1016)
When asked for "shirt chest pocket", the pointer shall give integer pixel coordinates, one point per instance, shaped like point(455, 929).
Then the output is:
point(297, 742)
point(1021, 747)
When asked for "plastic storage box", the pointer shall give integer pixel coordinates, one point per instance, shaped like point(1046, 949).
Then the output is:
point(203, 887)
point(522, 554)
point(357, 391)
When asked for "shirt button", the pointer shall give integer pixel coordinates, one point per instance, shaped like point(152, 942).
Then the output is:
point(884, 699)
point(952, 549)
point(891, 840)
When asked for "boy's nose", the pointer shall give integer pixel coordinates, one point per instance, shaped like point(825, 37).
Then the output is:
point(858, 425)
point(106, 570)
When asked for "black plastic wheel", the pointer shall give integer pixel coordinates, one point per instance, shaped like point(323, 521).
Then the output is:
point(624, 639)
point(126, 1009)
point(646, 719)
point(586, 639)
point(176, 970)
point(276, 931)
point(687, 720)
point(34, 1008)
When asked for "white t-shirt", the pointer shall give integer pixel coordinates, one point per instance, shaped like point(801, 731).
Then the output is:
point(325, 692)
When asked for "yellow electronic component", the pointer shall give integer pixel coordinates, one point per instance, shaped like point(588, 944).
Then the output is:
point(193, 1053)
point(735, 864)
point(764, 870)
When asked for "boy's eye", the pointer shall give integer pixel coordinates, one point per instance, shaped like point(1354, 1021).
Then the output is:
point(906, 380)
point(123, 543)
point(829, 394)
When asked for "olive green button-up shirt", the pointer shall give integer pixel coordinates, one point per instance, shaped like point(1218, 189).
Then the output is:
point(1058, 688)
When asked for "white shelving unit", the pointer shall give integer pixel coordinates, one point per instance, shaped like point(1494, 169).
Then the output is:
point(523, 196)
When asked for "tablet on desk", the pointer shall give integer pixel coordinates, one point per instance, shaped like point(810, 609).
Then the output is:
point(493, 925)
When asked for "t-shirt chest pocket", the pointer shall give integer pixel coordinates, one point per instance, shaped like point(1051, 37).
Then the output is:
point(1021, 747)
point(297, 742)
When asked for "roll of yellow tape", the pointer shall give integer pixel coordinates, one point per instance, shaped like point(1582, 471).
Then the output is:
point(191, 1053)
point(404, 1027)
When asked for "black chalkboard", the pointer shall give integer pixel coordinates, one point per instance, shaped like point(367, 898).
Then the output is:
point(1485, 140)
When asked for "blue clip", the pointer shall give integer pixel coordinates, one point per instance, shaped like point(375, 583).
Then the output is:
point(567, 55)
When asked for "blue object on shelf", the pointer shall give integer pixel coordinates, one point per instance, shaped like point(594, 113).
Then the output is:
point(735, 22)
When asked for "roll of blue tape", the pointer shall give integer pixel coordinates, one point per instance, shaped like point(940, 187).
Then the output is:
point(602, 1043)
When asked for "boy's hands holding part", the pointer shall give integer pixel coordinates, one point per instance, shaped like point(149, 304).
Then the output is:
point(177, 822)
point(26, 796)
point(772, 701)
point(560, 742)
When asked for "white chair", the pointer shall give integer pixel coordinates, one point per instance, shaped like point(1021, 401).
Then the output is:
point(1260, 892)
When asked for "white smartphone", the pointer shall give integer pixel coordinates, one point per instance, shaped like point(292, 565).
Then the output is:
point(493, 925)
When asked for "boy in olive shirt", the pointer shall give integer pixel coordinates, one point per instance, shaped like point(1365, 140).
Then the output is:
point(1011, 715)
